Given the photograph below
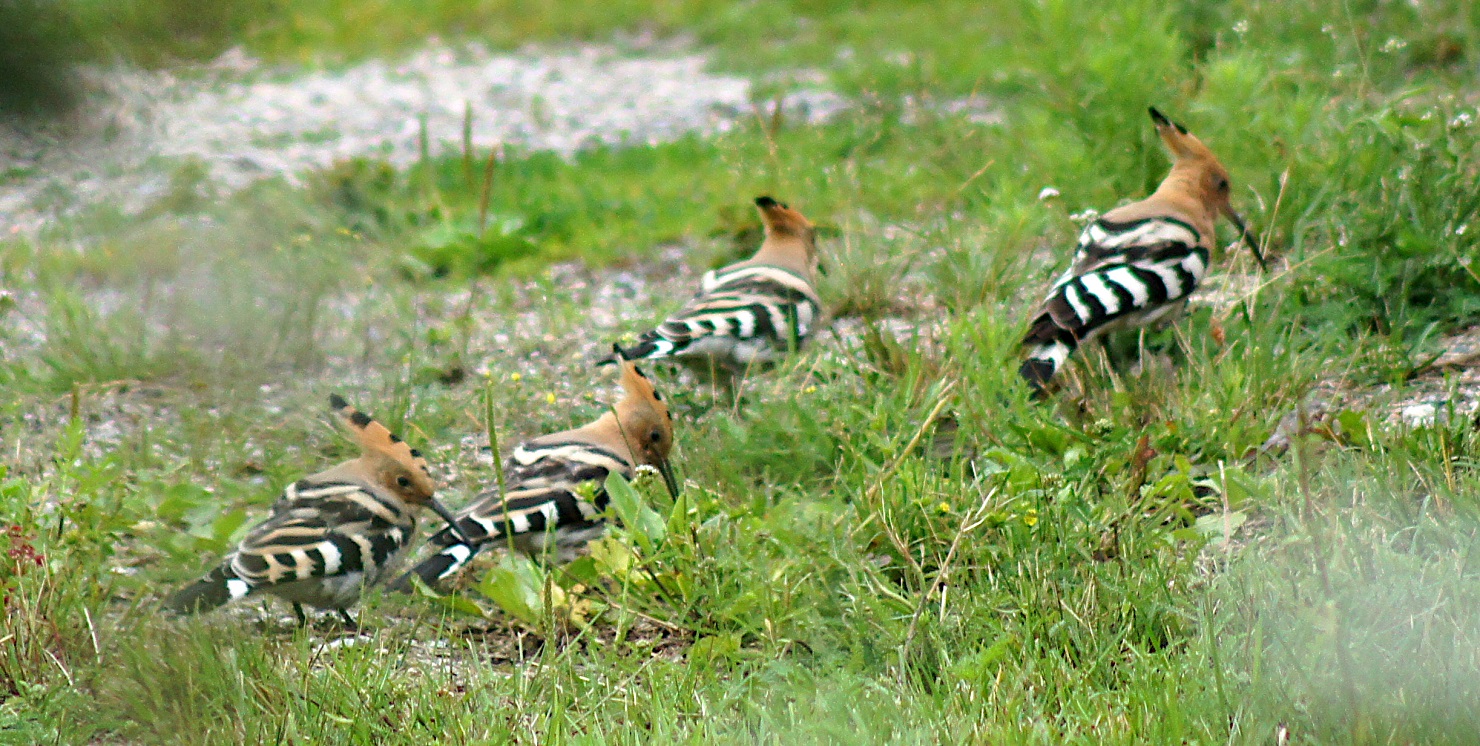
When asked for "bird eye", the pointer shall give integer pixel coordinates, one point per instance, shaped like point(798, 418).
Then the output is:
point(403, 482)
point(1223, 185)
point(656, 436)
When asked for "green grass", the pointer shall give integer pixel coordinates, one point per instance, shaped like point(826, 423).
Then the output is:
point(844, 566)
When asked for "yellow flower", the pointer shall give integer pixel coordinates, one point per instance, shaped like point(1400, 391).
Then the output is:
point(943, 507)
point(550, 398)
point(810, 390)
point(515, 377)
point(1030, 518)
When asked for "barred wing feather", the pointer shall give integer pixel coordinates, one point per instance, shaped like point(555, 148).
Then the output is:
point(1124, 274)
point(543, 502)
point(763, 304)
point(340, 534)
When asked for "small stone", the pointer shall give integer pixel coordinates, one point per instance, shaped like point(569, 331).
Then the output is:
point(1420, 414)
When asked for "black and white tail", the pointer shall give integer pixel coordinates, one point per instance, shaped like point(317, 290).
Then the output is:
point(218, 587)
point(1125, 274)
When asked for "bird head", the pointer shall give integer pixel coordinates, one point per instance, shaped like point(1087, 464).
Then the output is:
point(791, 239)
point(644, 421)
point(388, 462)
point(1199, 177)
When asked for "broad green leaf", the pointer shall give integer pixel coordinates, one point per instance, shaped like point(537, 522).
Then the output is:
point(516, 585)
point(711, 649)
point(181, 499)
point(1220, 525)
point(460, 605)
point(227, 525)
point(452, 601)
point(681, 518)
point(1355, 429)
point(611, 557)
point(582, 570)
point(643, 522)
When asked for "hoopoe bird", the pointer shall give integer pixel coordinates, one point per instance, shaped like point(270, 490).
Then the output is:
point(548, 479)
point(1138, 263)
point(332, 534)
point(751, 313)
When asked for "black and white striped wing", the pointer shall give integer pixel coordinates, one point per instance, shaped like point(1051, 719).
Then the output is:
point(1124, 274)
point(762, 304)
point(542, 478)
point(328, 538)
point(324, 530)
point(544, 500)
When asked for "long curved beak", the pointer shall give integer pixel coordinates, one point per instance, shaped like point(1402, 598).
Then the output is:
point(1246, 235)
point(447, 515)
point(671, 483)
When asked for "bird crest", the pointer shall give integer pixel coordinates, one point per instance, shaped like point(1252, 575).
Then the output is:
point(791, 239)
point(1183, 144)
point(1198, 178)
point(636, 383)
point(397, 466)
point(643, 418)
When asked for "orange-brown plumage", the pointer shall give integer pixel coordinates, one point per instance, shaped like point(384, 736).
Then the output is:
point(1198, 187)
point(1138, 263)
point(791, 240)
point(747, 315)
point(385, 459)
point(640, 423)
point(331, 534)
point(554, 495)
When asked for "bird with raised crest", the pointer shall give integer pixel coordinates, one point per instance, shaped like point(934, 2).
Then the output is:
point(750, 314)
point(554, 496)
point(1136, 264)
point(330, 535)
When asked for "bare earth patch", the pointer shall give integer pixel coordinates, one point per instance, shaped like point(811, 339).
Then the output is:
point(241, 121)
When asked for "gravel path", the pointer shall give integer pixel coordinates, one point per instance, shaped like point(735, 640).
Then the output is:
point(244, 122)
